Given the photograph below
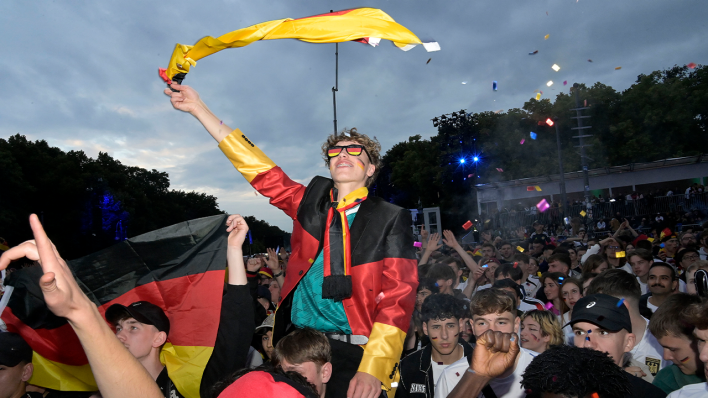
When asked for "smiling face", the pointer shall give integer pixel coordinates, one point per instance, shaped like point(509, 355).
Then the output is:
point(443, 334)
point(660, 281)
point(532, 337)
point(571, 294)
point(682, 351)
point(140, 339)
point(346, 168)
point(588, 335)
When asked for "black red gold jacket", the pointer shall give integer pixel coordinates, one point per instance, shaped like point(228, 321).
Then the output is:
point(384, 269)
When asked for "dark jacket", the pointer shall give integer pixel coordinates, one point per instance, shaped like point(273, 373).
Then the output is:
point(417, 373)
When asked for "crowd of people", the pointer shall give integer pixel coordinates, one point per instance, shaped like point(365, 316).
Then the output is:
point(360, 309)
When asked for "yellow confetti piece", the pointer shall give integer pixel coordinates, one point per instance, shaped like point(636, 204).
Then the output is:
point(618, 68)
point(519, 248)
point(583, 213)
point(620, 254)
point(546, 37)
point(538, 188)
point(311, 261)
point(538, 97)
point(550, 83)
point(650, 239)
point(555, 67)
point(539, 274)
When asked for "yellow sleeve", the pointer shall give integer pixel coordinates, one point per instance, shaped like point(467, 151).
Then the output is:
point(382, 354)
point(248, 159)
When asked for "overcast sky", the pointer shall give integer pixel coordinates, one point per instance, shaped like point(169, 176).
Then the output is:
point(82, 75)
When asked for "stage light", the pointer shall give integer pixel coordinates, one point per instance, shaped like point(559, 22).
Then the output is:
point(476, 159)
point(462, 160)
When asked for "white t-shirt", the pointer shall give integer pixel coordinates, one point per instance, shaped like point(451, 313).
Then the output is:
point(699, 390)
point(627, 268)
point(437, 371)
point(462, 285)
point(649, 352)
point(651, 306)
point(508, 387)
point(644, 286)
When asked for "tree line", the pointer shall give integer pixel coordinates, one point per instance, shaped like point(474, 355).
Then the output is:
point(662, 115)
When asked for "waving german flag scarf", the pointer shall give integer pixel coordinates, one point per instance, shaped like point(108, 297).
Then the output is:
point(337, 283)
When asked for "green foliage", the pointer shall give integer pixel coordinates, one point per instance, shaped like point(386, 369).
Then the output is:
point(662, 115)
point(68, 189)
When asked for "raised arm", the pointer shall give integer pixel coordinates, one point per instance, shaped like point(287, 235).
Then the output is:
point(450, 240)
point(274, 265)
point(433, 244)
point(65, 299)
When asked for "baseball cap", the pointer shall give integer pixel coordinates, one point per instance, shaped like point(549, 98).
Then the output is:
point(143, 312)
point(267, 323)
point(266, 272)
point(13, 350)
point(602, 310)
point(263, 292)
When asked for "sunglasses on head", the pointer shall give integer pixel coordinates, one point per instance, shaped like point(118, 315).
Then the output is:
point(353, 150)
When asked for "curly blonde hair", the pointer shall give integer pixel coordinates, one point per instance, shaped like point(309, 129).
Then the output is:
point(373, 148)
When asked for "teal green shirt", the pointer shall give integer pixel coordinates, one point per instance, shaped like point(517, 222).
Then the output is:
point(310, 309)
point(671, 378)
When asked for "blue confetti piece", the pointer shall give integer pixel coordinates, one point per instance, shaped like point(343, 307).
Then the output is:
point(619, 303)
point(494, 85)
point(662, 245)
point(533, 135)
point(589, 331)
point(561, 278)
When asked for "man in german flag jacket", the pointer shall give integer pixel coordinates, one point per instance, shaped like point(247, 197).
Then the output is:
point(352, 274)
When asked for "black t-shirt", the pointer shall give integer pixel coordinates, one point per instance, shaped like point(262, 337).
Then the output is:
point(167, 386)
point(643, 389)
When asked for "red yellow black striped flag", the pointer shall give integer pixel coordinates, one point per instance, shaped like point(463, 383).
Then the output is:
point(179, 268)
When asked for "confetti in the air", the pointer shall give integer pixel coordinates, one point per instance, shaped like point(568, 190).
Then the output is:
point(467, 225)
point(546, 37)
point(542, 205)
point(530, 188)
point(583, 213)
point(555, 67)
point(565, 82)
point(494, 85)
point(428, 61)
point(538, 97)
point(662, 245)
point(519, 248)
point(618, 68)
point(691, 65)
point(522, 141)
point(538, 189)
point(539, 274)
point(548, 305)
point(470, 175)
point(533, 52)
point(500, 170)
point(516, 264)
point(464, 82)
point(549, 122)
point(533, 135)
point(379, 297)
point(417, 244)
point(650, 239)
point(620, 254)
point(619, 303)
point(589, 60)
point(595, 395)
point(550, 83)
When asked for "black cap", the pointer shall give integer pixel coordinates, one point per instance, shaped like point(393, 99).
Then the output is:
point(602, 310)
point(263, 292)
point(13, 350)
point(143, 312)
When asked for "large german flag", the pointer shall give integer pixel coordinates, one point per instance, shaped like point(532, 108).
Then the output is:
point(179, 268)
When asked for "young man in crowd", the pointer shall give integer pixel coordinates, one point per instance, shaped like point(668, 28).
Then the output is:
point(641, 261)
point(538, 235)
point(530, 280)
point(489, 251)
point(703, 243)
point(676, 337)
point(686, 257)
point(697, 315)
point(687, 240)
point(15, 366)
point(442, 317)
point(662, 283)
point(444, 276)
point(599, 323)
point(494, 310)
point(513, 273)
point(670, 248)
point(624, 286)
point(560, 262)
point(307, 352)
point(343, 236)
point(506, 251)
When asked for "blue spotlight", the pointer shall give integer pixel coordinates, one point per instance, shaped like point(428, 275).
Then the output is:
point(476, 159)
point(462, 160)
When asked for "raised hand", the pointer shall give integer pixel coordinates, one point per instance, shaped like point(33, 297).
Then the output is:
point(423, 233)
point(237, 228)
point(433, 242)
point(450, 239)
point(62, 294)
point(272, 261)
point(495, 353)
point(254, 264)
point(186, 100)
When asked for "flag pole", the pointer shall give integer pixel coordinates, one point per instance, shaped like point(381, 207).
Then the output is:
point(336, 83)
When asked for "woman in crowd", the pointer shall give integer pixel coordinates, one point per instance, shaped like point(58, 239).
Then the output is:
point(552, 282)
point(595, 263)
point(539, 331)
point(613, 250)
point(572, 291)
point(574, 259)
